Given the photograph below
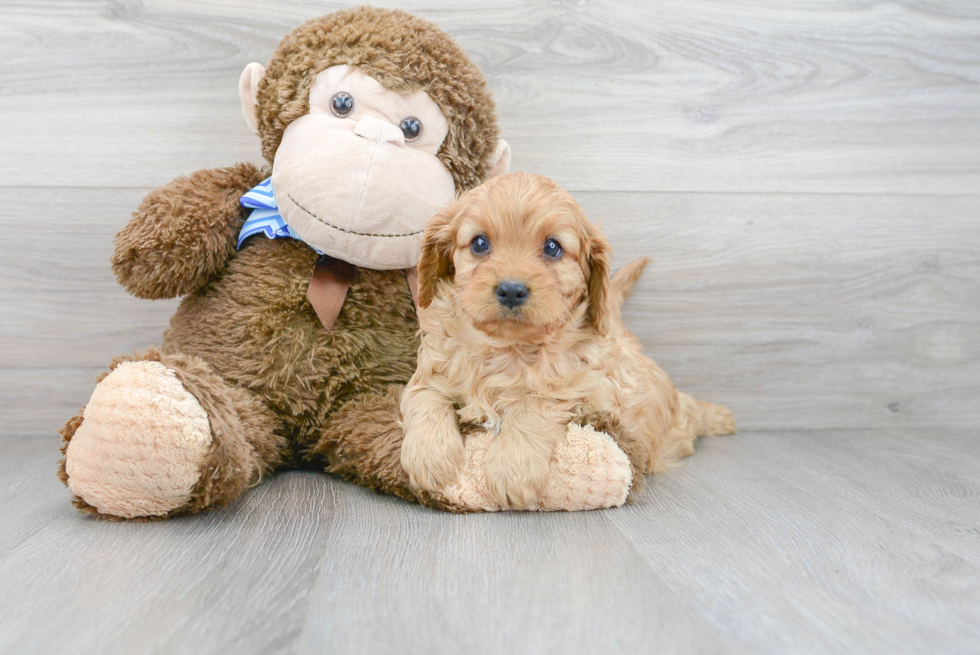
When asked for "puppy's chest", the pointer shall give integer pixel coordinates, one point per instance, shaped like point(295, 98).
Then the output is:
point(493, 385)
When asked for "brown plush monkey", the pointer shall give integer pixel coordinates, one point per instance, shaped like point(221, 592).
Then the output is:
point(291, 352)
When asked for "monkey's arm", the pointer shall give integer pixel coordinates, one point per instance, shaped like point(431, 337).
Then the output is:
point(183, 233)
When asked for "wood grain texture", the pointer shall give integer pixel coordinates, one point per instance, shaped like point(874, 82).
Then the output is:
point(849, 96)
point(857, 542)
point(479, 584)
point(235, 581)
point(829, 542)
point(816, 311)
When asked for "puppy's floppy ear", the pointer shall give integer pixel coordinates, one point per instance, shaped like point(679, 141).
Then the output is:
point(598, 255)
point(436, 256)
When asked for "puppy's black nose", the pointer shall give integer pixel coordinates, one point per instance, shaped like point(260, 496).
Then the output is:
point(511, 294)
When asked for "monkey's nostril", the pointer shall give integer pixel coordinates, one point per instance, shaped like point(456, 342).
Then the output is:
point(511, 294)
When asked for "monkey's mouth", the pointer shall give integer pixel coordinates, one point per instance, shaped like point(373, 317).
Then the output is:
point(345, 231)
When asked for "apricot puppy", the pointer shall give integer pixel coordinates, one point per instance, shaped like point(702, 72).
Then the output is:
point(521, 333)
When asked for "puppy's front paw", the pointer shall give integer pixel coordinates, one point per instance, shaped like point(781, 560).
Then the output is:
point(516, 480)
point(432, 461)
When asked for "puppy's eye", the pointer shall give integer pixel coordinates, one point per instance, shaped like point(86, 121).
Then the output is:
point(552, 249)
point(411, 127)
point(480, 245)
point(342, 104)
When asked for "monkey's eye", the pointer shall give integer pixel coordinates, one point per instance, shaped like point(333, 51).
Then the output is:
point(552, 249)
point(342, 104)
point(411, 127)
point(480, 245)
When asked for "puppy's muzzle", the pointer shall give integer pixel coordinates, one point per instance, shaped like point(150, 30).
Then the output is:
point(511, 294)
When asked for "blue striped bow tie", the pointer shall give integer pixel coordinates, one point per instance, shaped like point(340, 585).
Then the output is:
point(264, 218)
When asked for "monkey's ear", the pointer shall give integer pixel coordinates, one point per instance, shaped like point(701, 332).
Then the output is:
point(436, 255)
point(248, 85)
point(501, 159)
point(599, 256)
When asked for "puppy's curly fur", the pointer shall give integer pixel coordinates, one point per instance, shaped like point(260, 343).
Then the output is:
point(526, 368)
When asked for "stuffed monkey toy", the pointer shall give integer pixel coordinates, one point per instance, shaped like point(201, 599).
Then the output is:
point(297, 329)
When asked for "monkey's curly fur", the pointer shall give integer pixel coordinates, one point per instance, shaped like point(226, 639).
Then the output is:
point(278, 389)
point(405, 54)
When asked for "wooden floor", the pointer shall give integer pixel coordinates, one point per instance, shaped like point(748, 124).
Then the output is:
point(806, 178)
point(837, 542)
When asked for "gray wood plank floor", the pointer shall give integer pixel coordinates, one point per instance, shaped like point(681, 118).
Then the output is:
point(841, 541)
point(806, 178)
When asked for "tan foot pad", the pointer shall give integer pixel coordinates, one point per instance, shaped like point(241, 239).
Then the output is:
point(588, 471)
point(139, 449)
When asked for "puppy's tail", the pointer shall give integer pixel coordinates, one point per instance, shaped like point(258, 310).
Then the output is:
point(622, 284)
point(714, 420)
point(699, 418)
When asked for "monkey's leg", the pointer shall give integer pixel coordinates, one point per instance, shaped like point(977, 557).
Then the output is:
point(362, 442)
point(164, 435)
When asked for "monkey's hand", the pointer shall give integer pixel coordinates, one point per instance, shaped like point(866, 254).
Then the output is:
point(183, 233)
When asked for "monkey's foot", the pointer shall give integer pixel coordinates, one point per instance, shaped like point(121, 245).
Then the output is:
point(588, 471)
point(141, 444)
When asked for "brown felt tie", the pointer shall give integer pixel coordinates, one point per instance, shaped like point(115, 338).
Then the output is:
point(412, 275)
point(330, 282)
point(328, 288)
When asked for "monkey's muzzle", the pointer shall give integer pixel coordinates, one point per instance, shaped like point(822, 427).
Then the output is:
point(356, 191)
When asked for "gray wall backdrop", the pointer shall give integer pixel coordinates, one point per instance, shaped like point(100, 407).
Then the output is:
point(806, 181)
